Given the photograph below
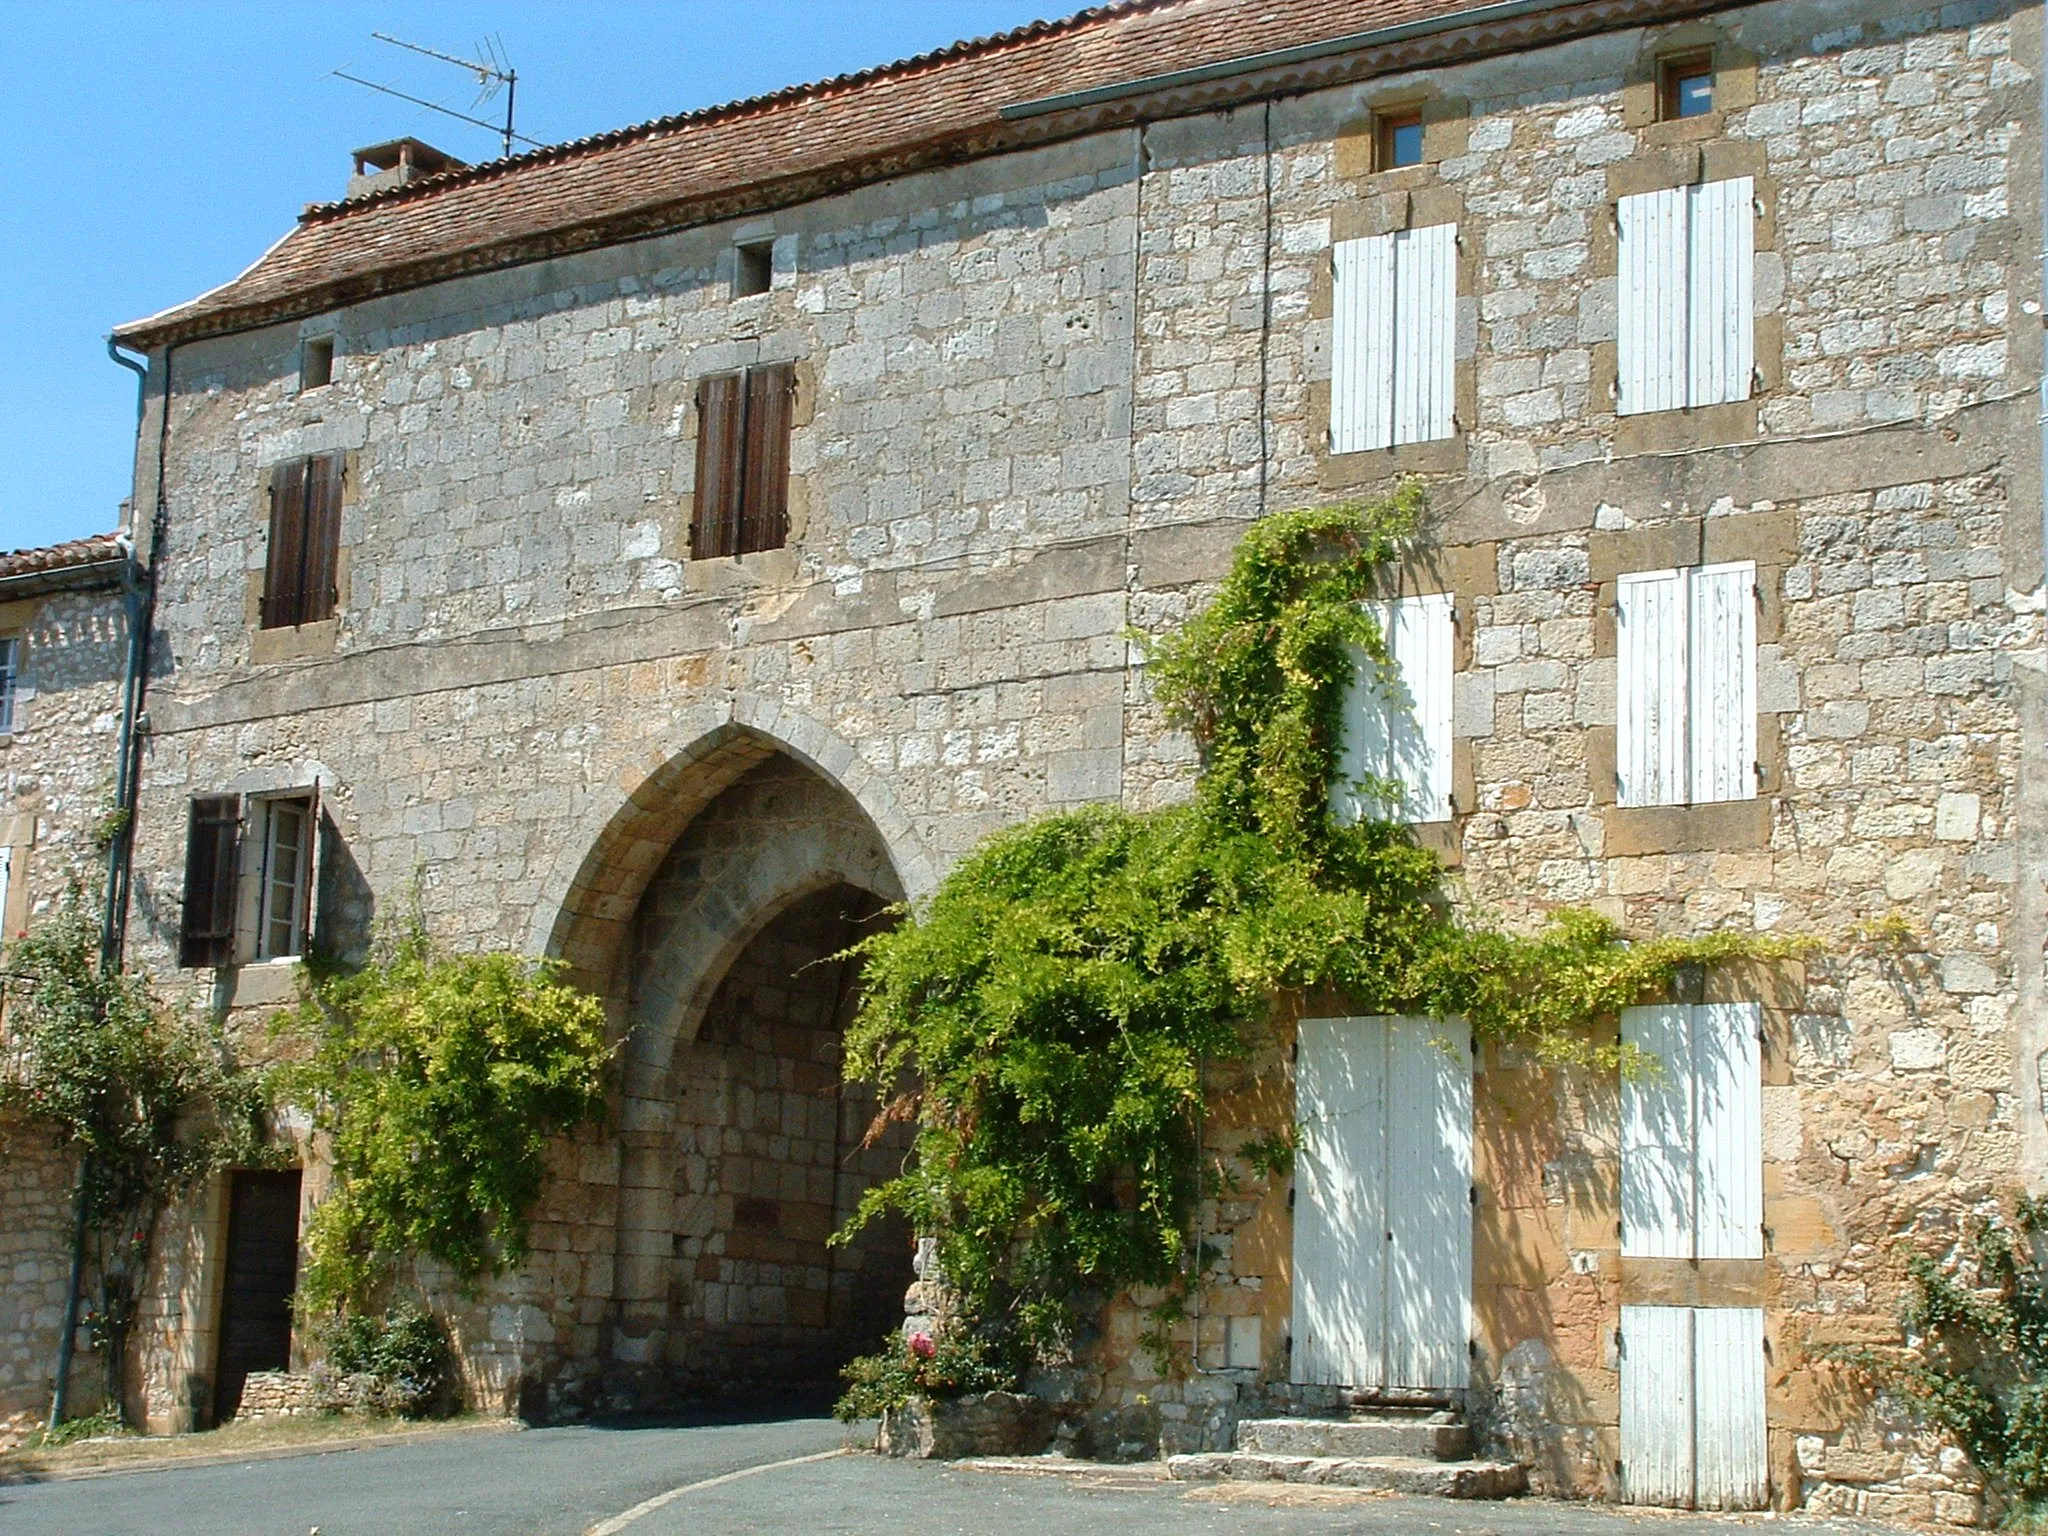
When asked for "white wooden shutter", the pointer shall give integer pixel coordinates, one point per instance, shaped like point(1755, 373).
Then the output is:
point(1728, 1133)
point(1657, 1365)
point(1721, 657)
point(1650, 635)
point(1429, 1203)
point(1399, 728)
point(1731, 1447)
point(1340, 1215)
point(1721, 329)
point(1651, 312)
point(1657, 1169)
point(1362, 345)
point(1425, 332)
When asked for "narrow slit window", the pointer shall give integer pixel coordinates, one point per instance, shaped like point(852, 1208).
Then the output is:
point(756, 270)
point(1400, 140)
point(1685, 86)
point(316, 363)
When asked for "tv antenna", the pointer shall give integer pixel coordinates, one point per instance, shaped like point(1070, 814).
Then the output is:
point(492, 72)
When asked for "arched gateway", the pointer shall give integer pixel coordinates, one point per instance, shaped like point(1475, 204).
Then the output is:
point(709, 911)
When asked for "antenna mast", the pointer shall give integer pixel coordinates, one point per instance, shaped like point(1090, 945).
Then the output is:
point(496, 71)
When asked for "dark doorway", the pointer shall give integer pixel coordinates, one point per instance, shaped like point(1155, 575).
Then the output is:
point(262, 1269)
point(775, 1154)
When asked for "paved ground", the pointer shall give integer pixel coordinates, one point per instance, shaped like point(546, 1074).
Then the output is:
point(708, 1479)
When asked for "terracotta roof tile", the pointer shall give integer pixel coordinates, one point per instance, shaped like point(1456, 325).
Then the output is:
point(59, 557)
point(724, 161)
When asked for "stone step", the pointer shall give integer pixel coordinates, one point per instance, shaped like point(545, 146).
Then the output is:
point(1394, 1474)
point(1363, 1436)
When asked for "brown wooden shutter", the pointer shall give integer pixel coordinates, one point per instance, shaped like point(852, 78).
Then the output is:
point(771, 396)
point(284, 562)
point(317, 595)
point(208, 931)
point(721, 428)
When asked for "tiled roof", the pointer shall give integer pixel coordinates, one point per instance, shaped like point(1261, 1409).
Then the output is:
point(53, 558)
point(726, 161)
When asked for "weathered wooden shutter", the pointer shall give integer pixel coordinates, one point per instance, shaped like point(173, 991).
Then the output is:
point(771, 395)
point(10, 680)
point(1428, 1204)
point(721, 448)
point(316, 862)
point(207, 933)
point(284, 561)
point(1721, 658)
point(1651, 694)
point(1731, 1446)
point(1651, 305)
point(6, 874)
point(1340, 1214)
point(1721, 255)
point(1728, 1131)
point(1658, 1198)
point(320, 550)
point(1657, 1405)
point(1692, 1407)
point(1425, 305)
point(1362, 345)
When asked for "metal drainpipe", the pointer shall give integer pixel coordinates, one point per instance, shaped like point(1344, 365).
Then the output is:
point(138, 601)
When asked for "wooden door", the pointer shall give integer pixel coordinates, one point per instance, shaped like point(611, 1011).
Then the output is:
point(1383, 1217)
point(1692, 1407)
point(256, 1296)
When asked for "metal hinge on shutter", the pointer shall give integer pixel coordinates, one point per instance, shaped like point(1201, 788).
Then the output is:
point(1473, 1195)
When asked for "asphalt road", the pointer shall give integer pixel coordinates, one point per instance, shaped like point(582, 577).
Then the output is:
point(707, 1479)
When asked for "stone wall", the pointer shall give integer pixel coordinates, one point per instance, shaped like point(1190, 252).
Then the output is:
point(56, 782)
point(1039, 397)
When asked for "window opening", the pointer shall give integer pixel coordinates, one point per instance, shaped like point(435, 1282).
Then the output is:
point(1685, 87)
point(281, 930)
point(1400, 140)
point(10, 676)
point(756, 270)
point(316, 363)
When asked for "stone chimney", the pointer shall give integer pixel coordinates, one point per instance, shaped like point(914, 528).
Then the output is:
point(381, 166)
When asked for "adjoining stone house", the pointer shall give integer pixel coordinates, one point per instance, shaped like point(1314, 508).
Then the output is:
point(666, 548)
point(63, 650)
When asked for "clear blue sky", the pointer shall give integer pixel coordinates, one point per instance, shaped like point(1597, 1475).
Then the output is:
point(152, 151)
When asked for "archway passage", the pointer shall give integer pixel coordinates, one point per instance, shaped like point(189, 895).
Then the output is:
point(771, 1161)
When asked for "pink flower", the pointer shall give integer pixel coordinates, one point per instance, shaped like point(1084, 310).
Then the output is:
point(922, 1346)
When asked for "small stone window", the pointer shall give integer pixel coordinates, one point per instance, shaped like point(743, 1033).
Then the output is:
point(10, 680)
point(1397, 139)
point(755, 271)
point(1685, 86)
point(316, 363)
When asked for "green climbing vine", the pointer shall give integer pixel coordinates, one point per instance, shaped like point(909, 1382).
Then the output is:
point(1048, 1018)
point(440, 1079)
point(150, 1098)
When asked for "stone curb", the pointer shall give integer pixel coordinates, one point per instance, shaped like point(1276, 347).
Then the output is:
point(262, 1453)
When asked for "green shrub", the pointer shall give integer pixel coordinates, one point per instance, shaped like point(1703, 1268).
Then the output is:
point(951, 1362)
point(404, 1353)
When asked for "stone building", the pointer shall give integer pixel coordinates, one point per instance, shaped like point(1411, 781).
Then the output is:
point(671, 547)
point(63, 647)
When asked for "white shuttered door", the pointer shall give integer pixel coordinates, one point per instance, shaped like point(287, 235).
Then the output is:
point(1721, 325)
point(1651, 696)
point(1382, 1216)
point(1657, 1405)
point(1340, 1088)
point(1393, 339)
point(1362, 345)
point(1721, 646)
point(1429, 1203)
point(1728, 1131)
point(1651, 305)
